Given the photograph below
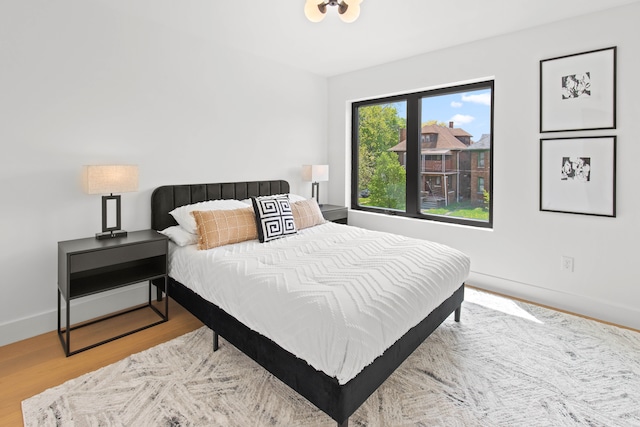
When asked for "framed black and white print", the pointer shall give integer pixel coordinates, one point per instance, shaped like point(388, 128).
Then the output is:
point(578, 175)
point(578, 92)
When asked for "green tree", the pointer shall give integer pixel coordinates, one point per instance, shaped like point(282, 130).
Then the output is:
point(366, 167)
point(379, 130)
point(486, 200)
point(388, 184)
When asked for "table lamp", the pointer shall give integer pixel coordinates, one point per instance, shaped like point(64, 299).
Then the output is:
point(109, 179)
point(315, 174)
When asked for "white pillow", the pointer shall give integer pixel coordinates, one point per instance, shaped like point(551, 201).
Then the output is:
point(180, 236)
point(295, 198)
point(292, 198)
point(183, 216)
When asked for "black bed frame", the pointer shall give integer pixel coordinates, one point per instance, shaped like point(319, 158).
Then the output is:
point(338, 401)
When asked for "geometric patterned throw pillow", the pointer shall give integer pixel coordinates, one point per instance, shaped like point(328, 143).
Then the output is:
point(274, 218)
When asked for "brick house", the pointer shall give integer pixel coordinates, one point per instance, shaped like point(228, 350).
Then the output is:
point(444, 164)
point(480, 162)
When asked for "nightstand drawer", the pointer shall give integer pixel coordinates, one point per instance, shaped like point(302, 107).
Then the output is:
point(116, 255)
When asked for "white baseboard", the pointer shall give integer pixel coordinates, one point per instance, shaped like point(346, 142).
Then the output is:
point(578, 304)
point(81, 309)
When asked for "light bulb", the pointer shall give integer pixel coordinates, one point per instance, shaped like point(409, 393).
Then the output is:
point(352, 12)
point(312, 12)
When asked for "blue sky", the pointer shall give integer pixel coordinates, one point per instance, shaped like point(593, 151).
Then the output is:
point(468, 110)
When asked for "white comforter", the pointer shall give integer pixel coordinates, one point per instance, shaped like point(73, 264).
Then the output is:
point(335, 296)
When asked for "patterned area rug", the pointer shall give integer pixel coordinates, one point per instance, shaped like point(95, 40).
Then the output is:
point(506, 364)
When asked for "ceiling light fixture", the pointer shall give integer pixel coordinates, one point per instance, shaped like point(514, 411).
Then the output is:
point(349, 10)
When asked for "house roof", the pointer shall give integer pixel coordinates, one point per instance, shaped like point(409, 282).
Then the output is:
point(459, 132)
point(484, 143)
point(446, 140)
point(400, 147)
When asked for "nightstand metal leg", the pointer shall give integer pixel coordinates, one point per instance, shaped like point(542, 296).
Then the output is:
point(64, 339)
point(166, 299)
point(68, 326)
point(59, 328)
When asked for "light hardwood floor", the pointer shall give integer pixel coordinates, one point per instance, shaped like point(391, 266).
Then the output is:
point(33, 365)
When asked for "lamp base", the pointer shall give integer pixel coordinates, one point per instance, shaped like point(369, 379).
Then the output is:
point(315, 192)
point(111, 234)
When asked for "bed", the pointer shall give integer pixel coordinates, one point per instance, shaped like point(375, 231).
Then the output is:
point(337, 398)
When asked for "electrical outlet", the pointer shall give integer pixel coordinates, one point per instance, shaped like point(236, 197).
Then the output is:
point(566, 263)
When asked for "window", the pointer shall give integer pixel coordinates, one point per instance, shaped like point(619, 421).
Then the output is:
point(481, 160)
point(429, 137)
point(381, 151)
point(413, 154)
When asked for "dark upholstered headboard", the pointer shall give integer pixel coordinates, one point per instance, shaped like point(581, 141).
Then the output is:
point(168, 197)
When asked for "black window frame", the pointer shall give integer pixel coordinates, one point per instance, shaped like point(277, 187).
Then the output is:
point(413, 155)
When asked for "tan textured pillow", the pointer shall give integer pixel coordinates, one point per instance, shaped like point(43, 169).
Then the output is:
point(218, 228)
point(306, 213)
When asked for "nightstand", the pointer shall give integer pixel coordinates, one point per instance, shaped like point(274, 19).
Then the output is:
point(334, 213)
point(90, 266)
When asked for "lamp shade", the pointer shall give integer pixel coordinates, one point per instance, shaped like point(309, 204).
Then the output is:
point(108, 179)
point(312, 12)
point(315, 173)
point(353, 11)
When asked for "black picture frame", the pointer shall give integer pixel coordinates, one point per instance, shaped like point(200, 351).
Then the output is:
point(578, 91)
point(578, 175)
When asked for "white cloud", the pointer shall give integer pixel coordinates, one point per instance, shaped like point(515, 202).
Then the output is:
point(455, 104)
point(462, 119)
point(484, 99)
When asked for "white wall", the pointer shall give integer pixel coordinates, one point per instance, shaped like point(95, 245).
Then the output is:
point(521, 255)
point(83, 84)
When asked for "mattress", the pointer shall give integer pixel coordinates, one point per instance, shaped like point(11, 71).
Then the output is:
point(335, 296)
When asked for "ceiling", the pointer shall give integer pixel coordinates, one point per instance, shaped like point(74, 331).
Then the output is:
point(387, 30)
